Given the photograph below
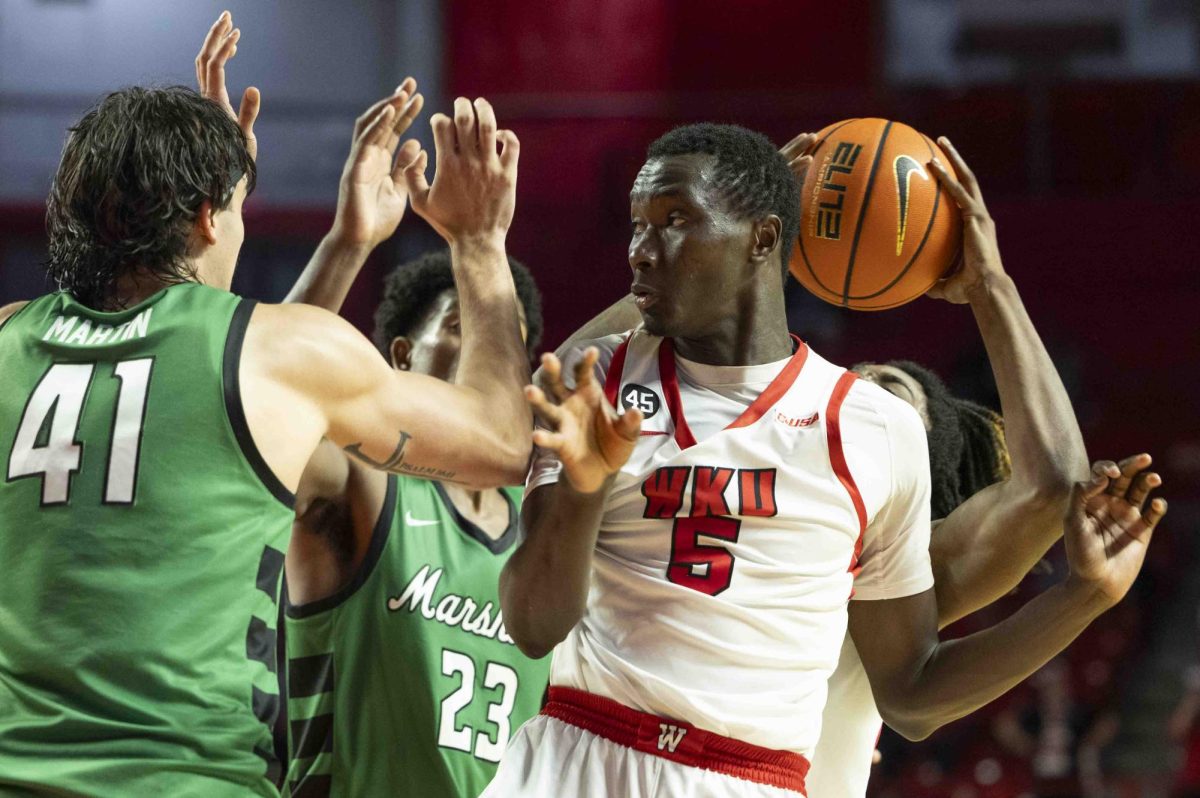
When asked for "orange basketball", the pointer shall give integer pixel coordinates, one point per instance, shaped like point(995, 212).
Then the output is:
point(876, 228)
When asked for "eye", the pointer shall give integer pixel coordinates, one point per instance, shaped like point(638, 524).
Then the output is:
point(637, 224)
point(676, 219)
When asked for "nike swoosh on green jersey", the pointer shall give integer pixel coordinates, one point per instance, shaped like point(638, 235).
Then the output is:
point(410, 521)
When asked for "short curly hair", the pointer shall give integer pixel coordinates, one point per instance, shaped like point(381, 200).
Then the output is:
point(749, 172)
point(134, 172)
point(411, 287)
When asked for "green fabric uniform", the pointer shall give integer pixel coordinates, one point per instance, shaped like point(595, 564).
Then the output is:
point(142, 540)
point(405, 683)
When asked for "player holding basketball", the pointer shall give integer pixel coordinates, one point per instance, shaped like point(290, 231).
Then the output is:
point(155, 427)
point(981, 547)
point(693, 570)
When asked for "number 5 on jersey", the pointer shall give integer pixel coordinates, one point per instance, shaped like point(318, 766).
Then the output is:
point(47, 441)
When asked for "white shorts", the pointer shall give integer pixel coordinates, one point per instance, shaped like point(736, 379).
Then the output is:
point(551, 758)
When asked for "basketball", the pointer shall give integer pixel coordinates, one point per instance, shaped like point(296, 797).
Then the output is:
point(877, 230)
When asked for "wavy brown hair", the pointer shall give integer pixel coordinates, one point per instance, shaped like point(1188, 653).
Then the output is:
point(133, 174)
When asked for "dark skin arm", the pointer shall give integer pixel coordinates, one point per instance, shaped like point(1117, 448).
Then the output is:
point(982, 550)
point(921, 683)
point(544, 585)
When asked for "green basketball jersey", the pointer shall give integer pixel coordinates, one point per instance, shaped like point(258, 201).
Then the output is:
point(142, 540)
point(405, 683)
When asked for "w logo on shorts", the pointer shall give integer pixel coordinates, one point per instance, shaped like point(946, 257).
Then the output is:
point(669, 736)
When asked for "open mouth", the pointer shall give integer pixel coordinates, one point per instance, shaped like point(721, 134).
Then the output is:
point(643, 297)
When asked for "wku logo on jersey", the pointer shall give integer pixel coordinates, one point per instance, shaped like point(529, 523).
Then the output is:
point(702, 567)
point(669, 736)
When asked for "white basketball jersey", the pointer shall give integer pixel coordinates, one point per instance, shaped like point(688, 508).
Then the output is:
point(732, 538)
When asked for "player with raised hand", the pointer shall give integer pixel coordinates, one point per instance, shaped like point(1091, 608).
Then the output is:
point(696, 591)
point(985, 537)
point(376, 560)
point(137, 649)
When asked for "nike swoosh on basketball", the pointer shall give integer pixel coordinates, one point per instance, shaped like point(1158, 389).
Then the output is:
point(904, 167)
point(410, 521)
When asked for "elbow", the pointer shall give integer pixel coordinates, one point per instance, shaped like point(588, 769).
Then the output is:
point(1046, 491)
point(534, 633)
point(531, 648)
point(527, 639)
point(912, 726)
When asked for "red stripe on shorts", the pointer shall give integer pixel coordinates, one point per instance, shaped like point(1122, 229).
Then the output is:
point(677, 741)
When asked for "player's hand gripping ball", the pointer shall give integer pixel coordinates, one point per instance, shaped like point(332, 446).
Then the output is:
point(877, 229)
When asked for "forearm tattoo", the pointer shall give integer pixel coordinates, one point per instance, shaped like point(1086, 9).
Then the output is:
point(396, 465)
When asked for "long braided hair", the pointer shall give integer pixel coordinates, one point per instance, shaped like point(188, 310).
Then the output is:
point(967, 451)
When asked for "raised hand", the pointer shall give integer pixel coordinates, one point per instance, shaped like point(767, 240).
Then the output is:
point(1108, 525)
point(795, 152)
point(219, 46)
point(474, 188)
point(584, 430)
point(981, 252)
point(373, 192)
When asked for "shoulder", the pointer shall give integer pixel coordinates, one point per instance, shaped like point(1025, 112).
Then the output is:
point(888, 427)
point(309, 344)
point(9, 310)
point(868, 404)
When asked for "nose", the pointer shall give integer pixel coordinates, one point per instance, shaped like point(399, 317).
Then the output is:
point(644, 249)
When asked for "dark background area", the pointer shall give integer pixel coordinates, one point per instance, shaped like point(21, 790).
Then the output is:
point(1082, 126)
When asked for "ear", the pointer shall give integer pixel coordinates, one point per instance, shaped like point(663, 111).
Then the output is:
point(401, 349)
point(204, 226)
point(767, 235)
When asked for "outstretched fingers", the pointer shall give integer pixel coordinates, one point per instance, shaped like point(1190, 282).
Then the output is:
point(799, 166)
point(629, 424)
point(485, 127)
point(416, 181)
point(404, 118)
point(1129, 468)
point(951, 183)
point(585, 369)
point(407, 155)
point(552, 377)
point(960, 166)
point(1150, 518)
point(1103, 471)
point(212, 43)
point(546, 411)
point(510, 150)
point(1141, 487)
point(466, 138)
point(798, 145)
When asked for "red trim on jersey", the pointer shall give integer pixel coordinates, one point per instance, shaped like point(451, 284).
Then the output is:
point(775, 391)
point(670, 386)
point(764, 402)
point(837, 458)
point(612, 380)
point(693, 747)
